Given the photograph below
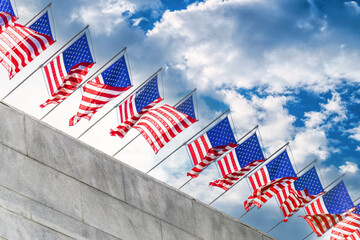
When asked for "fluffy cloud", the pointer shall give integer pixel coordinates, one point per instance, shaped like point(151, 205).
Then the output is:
point(355, 133)
point(104, 16)
point(349, 168)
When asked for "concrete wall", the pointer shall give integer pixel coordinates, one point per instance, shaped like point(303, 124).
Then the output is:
point(55, 187)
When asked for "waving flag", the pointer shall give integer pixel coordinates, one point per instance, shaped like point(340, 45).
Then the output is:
point(105, 87)
point(349, 227)
point(238, 162)
point(64, 74)
point(7, 15)
point(136, 106)
point(209, 146)
point(305, 189)
point(329, 209)
point(270, 180)
point(19, 45)
point(159, 125)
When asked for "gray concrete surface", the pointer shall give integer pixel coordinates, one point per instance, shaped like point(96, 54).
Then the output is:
point(53, 186)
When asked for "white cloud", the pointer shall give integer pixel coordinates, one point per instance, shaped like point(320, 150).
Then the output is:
point(355, 133)
point(349, 168)
point(104, 16)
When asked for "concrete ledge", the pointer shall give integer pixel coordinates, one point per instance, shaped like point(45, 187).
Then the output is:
point(67, 189)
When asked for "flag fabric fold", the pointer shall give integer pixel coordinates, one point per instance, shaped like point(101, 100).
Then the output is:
point(19, 45)
point(160, 125)
point(209, 146)
point(135, 106)
point(239, 161)
point(329, 209)
point(275, 176)
point(349, 227)
point(64, 73)
point(298, 194)
point(7, 15)
point(105, 87)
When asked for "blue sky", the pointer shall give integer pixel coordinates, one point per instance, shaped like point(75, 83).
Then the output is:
point(290, 66)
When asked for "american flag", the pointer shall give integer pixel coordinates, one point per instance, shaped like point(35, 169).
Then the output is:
point(305, 189)
point(238, 162)
point(348, 226)
point(108, 85)
point(355, 235)
point(329, 209)
point(19, 45)
point(64, 73)
point(135, 106)
point(159, 125)
point(7, 15)
point(209, 146)
point(270, 180)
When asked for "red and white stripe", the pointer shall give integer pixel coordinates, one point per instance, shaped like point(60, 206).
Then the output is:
point(211, 155)
point(159, 125)
point(20, 45)
point(129, 115)
point(262, 194)
point(95, 95)
point(60, 83)
point(346, 228)
point(294, 201)
point(6, 20)
point(355, 235)
point(231, 170)
point(321, 223)
point(316, 207)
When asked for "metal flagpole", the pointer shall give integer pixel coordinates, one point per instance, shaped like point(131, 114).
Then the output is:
point(281, 221)
point(83, 83)
point(120, 102)
point(38, 14)
point(140, 133)
point(319, 196)
point(44, 63)
point(252, 170)
point(188, 141)
point(224, 153)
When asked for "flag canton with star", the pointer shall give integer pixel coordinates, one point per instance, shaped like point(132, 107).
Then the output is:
point(77, 53)
point(337, 200)
point(5, 6)
point(249, 151)
point(310, 181)
point(280, 167)
point(357, 211)
point(187, 107)
point(42, 25)
point(221, 134)
point(147, 94)
point(117, 74)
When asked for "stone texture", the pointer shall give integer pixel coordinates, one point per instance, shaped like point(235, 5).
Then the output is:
point(39, 182)
point(118, 218)
point(45, 216)
point(74, 158)
point(16, 227)
point(170, 232)
point(166, 203)
point(12, 128)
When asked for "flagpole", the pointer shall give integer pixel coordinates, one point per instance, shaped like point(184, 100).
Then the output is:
point(119, 103)
point(188, 140)
point(38, 13)
point(82, 84)
point(252, 170)
point(140, 133)
point(44, 63)
point(220, 156)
